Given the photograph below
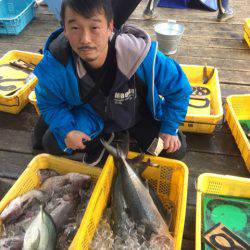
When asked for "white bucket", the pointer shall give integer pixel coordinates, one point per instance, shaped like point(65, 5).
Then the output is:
point(168, 35)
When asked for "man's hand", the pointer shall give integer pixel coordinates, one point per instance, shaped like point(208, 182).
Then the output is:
point(74, 139)
point(171, 142)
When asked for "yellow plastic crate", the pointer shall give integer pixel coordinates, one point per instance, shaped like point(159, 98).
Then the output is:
point(33, 101)
point(238, 108)
point(246, 28)
point(170, 181)
point(247, 38)
point(218, 185)
point(203, 120)
point(29, 178)
point(15, 102)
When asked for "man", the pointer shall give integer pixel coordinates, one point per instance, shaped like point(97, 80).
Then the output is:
point(93, 82)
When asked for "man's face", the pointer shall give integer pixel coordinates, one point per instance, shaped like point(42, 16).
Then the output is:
point(88, 37)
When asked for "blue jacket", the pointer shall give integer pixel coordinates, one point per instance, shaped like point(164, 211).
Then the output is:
point(58, 96)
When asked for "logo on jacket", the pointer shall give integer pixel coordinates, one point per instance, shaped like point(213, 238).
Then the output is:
point(121, 97)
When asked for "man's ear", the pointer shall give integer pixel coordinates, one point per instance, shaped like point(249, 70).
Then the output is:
point(65, 32)
point(111, 26)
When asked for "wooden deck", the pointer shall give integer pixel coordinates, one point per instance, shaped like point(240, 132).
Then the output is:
point(204, 41)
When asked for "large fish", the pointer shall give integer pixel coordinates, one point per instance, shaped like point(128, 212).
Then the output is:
point(140, 205)
point(118, 204)
point(41, 233)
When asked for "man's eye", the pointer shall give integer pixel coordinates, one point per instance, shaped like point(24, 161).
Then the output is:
point(95, 28)
point(74, 28)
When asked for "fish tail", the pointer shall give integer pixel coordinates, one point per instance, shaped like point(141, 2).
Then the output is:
point(121, 153)
point(112, 150)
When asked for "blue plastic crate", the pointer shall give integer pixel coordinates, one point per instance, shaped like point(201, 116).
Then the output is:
point(15, 15)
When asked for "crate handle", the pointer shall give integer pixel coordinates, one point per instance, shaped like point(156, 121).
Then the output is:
point(2, 25)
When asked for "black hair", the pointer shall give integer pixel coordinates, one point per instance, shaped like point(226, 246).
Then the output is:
point(87, 8)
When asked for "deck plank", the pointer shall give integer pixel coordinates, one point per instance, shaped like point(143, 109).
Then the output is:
point(5, 185)
point(13, 164)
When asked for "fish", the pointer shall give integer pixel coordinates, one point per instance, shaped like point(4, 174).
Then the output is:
point(118, 204)
point(141, 207)
point(41, 233)
point(207, 77)
point(55, 183)
point(63, 211)
point(19, 205)
point(119, 214)
point(139, 166)
point(165, 213)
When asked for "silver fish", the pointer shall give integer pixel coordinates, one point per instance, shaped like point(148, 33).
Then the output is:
point(141, 207)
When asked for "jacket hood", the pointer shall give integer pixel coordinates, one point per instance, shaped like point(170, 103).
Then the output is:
point(132, 46)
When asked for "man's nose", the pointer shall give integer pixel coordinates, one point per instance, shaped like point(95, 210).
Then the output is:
point(85, 37)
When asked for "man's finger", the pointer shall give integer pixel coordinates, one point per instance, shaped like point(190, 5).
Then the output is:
point(179, 144)
point(175, 145)
point(171, 147)
point(166, 143)
point(86, 137)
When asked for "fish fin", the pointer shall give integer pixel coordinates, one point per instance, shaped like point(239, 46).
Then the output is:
point(139, 158)
point(143, 166)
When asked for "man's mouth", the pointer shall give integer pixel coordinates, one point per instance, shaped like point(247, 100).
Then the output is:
point(86, 49)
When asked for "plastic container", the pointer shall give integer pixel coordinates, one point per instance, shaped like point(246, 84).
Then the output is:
point(169, 35)
point(170, 181)
point(246, 28)
point(202, 121)
point(218, 185)
point(238, 108)
point(33, 101)
point(247, 38)
point(15, 15)
point(15, 102)
point(29, 178)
